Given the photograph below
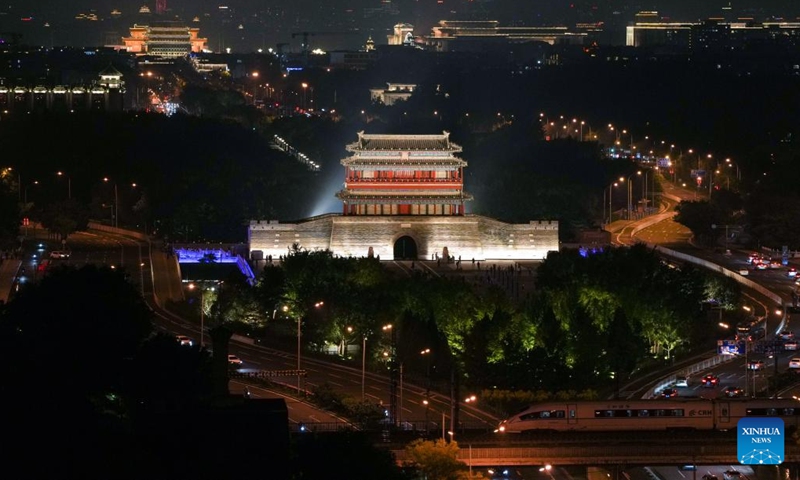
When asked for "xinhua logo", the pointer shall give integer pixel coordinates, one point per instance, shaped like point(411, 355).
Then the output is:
point(760, 441)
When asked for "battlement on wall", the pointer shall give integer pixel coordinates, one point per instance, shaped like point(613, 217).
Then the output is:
point(544, 224)
point(471, 236)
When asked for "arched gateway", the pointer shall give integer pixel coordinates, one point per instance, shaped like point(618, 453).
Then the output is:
point(405, 248)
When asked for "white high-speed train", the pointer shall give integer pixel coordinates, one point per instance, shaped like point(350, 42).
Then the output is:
point(629, 415)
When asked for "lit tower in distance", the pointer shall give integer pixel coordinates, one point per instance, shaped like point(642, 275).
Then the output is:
point(161, 7)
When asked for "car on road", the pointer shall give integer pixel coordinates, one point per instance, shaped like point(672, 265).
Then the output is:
point(792, 272)
point(710, 476)
point(183, 340)
point(59, 254)
point(681, 381)
point(761, 266)
point(756, 334)
point(733, 392)
point(234, 361)
point(794, 362)
point(790, 345)
point(786, 335)
point(732, 475)
point(669, 393)
point(710, 380)
point(755, 365)
point(744, 272)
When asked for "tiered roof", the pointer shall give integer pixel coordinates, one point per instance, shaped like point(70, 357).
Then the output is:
point(439, 142)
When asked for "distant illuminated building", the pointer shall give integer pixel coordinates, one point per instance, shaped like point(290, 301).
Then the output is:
point(712, 34)
point(106, 95)
point(370, 46)
point(403, 35)
point(452, 35)
point(392, 93)
point(144, 10)
point(165, 39)
point(110, 77)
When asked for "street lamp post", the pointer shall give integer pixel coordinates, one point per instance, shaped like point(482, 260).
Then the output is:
point(363, 364)
point(392, 374)
point(427, 353)
point(610, 193)
point(192, 286)
point(255, 87)
point(116, 204)
point(644, 190)
point(35, 182)
point(298, 354)
point(69, 183)
point(630, 193)
point(299, 333)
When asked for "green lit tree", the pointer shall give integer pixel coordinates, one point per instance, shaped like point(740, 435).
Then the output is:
point(438, 460)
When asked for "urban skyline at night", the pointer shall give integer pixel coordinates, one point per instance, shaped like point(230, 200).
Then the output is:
point(347, 24)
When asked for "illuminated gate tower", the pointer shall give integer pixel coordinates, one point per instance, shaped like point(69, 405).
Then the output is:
point(403, 175)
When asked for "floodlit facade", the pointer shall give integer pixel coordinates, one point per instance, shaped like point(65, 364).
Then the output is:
point(403, 175)
point(716, 33)
point(392, 93)
point(168, 40)
point(455, 35)
point(403, 198)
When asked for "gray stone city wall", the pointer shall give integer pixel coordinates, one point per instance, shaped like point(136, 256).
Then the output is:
point(471, 236)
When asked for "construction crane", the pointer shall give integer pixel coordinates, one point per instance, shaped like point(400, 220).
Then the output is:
point(305, 36)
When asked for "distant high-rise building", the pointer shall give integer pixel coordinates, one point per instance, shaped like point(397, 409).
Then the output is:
point(161, 7)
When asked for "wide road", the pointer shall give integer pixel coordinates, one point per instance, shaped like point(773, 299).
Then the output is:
point(670, 234)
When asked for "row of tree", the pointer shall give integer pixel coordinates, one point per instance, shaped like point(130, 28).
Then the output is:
point(592, 318)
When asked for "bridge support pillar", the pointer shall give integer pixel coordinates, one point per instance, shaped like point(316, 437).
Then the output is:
point(767, 472)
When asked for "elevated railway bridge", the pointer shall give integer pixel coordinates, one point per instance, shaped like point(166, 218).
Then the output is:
point(609, 449)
